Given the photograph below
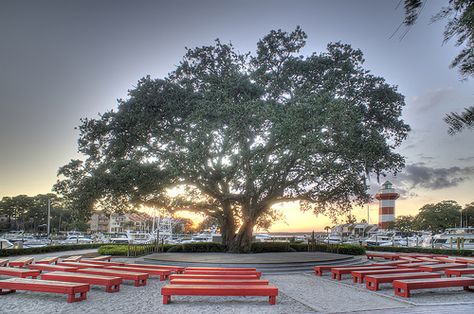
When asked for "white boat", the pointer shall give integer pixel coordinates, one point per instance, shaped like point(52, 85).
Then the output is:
point(450, 238)
point(333, 238)
point(120, 238)
point(5, 244)
point(388, 238)
point(77, 239)
point(14, 236)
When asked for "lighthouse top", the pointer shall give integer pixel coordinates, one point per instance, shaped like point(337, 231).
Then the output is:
point(387, 192)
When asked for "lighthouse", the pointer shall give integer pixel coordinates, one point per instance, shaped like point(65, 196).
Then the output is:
point(386, 197)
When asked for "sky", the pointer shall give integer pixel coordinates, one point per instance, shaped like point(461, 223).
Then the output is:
point(61, 61)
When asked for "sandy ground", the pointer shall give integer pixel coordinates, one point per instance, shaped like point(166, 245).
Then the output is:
point(298, 293)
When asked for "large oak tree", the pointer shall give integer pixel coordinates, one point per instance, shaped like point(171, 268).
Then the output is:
point(242, 132)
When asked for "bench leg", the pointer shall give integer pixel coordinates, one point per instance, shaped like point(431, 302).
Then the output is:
point(166, 299)
point(2, 292)
point(372, 286)
point(71, 298)
point(272, 299)
point(162, 278)
point(466, 288)
point(333, 275)
point(139, 283)
point(111, 289)
point(402, 292)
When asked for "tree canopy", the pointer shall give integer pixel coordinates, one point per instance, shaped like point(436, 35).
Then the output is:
point(242, 132)
point(460, 26)
point(438, 217)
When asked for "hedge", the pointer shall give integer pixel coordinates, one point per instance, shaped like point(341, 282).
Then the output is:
point(421, 250)
point(262, 247)
point(47, 249)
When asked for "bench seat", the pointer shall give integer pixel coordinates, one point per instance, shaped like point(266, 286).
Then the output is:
point(467, 260)
point(408, 259)
point(446, 259)
point(358, 276)
point(162, 273)
point(403, 287)
point(48, 267)
point(228, 277)
point(176, 269)
point(139, 279)
point(218, 282)
point(71, 289)
point(102, 258)
point(319, 270)
point(390, 256)
point(438, 267)
point(112, 284)
point(222, 272)
point(75, 258)
point(21, 262)
point(391, 263)
point(372, 282)
point(223, 268)
point(102, 263)
point(458, 272)
point(417, 264)
point(429, 259)
point(219, 290)
point(337, 272)
point(19, 272)
point(79, 265)
point(48, 260)
point(3, 262)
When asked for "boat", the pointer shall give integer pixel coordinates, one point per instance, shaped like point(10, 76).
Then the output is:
point(76, 237)
point(450, 238)
point(386, 238)
point(5, 244)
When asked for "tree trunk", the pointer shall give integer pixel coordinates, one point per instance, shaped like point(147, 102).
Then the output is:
point(243, 240)
point(227, 230)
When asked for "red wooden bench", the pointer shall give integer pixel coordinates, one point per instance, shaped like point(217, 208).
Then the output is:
point(218, 282)
point(48, 260)
point(79, 265)
point(417, 264)
point(358, 276)
point(138, 278)
point(48, 267)
point(459, 272)
point(416, 255)
point(3, 262)
point(102, 263)
point(222, 272)
point(391, 263)
point(319, 270)
point(112, 284)
point(75, 258)
point(336, 273)
point(102, 258)
point(438, 267)
point(222, 290)
point(446, 259)
point(428, 259)
point(222, 268)
point(19, 272)
point(21, 262)
point(408, 259)
point(372, 282)
point(390, 256)
point(467, 260)
point(228, 277)
point(176, 269)
point(403, 287)
point(71, 289)
point(162, 273)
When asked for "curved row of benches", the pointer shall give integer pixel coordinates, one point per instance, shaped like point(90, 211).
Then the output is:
point(407, 272)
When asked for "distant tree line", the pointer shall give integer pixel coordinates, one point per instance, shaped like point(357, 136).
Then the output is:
point(30, 213)
point(437, 217)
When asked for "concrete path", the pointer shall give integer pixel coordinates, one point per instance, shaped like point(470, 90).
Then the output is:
point(60, 254)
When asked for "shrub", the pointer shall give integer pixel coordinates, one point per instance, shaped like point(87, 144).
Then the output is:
point(116, 250)
point(202, 247)
point(262, 247)
point(421, 250)
point(47, 249)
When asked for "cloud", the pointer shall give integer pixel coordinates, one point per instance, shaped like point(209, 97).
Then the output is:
point(433, 98)
point(469, 158)
point(420, 176)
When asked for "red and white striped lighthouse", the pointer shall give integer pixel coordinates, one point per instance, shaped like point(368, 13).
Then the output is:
point(386, 197)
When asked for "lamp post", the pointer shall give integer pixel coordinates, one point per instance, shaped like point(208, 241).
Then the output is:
point(49, 216)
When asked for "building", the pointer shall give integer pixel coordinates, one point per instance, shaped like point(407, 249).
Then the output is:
point(113, 223)
point(386, 197)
